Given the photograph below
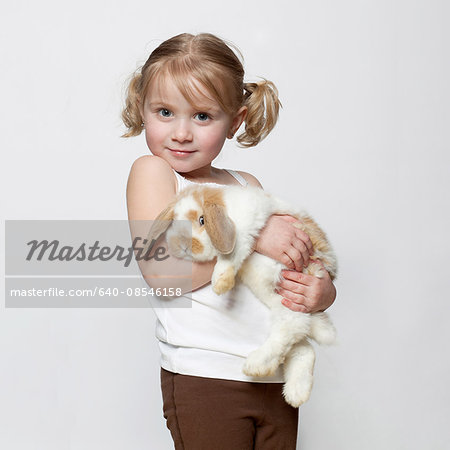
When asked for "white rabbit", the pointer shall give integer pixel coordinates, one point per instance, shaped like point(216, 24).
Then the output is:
point(224, 222)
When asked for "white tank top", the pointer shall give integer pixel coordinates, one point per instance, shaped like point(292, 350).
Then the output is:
point(213, 337)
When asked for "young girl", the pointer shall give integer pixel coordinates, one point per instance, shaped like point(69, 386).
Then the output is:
point(188, 98)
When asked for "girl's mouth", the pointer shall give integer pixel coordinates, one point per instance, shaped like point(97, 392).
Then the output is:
point(181, 152)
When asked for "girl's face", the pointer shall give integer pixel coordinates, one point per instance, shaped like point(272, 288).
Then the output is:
point(187, 137)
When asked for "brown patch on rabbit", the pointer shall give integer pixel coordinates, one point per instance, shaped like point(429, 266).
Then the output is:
point(317, 236)
point(197, 246)
point(192, 215)
point(213, 195)
point(196, 194)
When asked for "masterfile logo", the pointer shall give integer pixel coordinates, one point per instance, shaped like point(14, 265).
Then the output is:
point(88, 263)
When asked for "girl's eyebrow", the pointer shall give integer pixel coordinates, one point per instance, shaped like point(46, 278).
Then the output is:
point(199, 107)
point(159, 102)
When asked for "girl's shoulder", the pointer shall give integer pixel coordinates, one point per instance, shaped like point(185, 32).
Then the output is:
point(154, 170)
point(249, 178)
point(151, 186)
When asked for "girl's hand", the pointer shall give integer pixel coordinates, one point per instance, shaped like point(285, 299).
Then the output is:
point(306, 293)
point(285, 243)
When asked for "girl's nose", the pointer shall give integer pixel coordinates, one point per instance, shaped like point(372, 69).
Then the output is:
point(182, 132)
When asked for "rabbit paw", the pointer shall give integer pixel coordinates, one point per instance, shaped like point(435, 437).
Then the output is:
point(324, 336)
point(296, 392)
point(223, 282)
point(260, 364)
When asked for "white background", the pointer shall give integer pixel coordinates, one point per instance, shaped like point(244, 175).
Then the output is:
point(362, 143)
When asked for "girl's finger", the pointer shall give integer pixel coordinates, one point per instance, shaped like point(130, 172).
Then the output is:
point(301, 247)
point(292, 286)
point(288, 218)
point(295, 298)
point(294, 306)
point(287, 261)
point(304, 237)
point(298, 277)
point(296, 257)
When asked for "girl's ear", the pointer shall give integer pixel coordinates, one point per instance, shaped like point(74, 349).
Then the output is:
point(237, 121)
point(220, 228)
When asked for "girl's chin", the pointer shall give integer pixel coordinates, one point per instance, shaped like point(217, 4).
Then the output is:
point(184, 164)
point(187, 166)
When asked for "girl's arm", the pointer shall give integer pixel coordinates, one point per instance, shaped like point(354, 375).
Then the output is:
point(151, 186)
point(292, 247)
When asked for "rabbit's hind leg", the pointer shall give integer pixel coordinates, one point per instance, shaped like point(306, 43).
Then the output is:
point(288, 328)
point(298, 373)
point(322, 329)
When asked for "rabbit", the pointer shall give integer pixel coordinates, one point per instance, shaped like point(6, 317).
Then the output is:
point(208, 221)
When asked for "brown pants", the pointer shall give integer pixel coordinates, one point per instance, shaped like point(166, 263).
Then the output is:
point(213, 414)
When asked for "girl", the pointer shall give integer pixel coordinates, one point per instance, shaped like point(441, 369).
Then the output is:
point(188, 98)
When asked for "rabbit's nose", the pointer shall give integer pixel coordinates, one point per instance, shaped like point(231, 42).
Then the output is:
point(184, 246)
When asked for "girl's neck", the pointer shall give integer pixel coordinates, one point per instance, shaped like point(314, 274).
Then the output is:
point(213, 175)
point(203, 174)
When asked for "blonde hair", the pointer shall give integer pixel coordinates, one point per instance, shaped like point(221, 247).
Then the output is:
point(213, 63)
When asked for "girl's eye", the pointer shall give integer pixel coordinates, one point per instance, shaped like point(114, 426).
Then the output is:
point(202, 116)
point(164, 112)
point(201, 220)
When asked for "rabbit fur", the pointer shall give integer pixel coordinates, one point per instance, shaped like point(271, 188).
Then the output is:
point(208, 221)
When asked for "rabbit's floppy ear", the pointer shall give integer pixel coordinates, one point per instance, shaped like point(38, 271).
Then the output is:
point(219, 226)
point(161, 223)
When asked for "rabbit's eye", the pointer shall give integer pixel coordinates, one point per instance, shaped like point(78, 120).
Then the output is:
point(201, 220)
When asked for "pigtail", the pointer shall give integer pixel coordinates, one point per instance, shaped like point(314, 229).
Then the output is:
point(131, 115)
point(263, 105)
